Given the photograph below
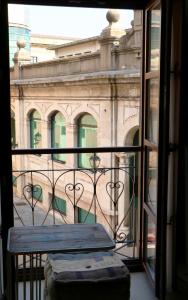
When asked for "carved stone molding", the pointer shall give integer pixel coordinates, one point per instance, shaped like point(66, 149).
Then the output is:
point(95, 108)
point(129, 112)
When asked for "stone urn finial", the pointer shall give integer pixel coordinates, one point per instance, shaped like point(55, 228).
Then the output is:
point(112, 16)
point(22, 55)
point(114, 28)
point(21, 43)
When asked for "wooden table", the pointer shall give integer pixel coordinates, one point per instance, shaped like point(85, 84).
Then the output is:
point(34, 241)
point(58, 238)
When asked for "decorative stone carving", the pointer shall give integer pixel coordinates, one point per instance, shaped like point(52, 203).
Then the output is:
point(22, 56)
point(95, 108)
point(129, 112)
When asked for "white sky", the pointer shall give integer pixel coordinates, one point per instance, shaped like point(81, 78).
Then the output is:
point(74, 22)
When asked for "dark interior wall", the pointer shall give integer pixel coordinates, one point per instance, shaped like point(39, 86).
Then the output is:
point(6, 196)
point(182, 197)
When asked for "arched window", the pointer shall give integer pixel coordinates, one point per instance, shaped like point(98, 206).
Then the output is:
point(35, 130)
point(58, 135)
point(87, 137)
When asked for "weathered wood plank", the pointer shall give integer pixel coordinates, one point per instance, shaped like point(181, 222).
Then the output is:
point(57, 238)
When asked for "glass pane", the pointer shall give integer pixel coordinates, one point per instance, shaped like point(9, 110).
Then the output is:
point(36, 115)
point(88, 120)
point(58, 135)
point(153, 110)
point(154, 39)
point(91, 137)
point(150, 250)
point(152, 180)
point(35, 130)
point(87, 137)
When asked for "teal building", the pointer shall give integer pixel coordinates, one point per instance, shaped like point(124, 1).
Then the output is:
point(18, 29)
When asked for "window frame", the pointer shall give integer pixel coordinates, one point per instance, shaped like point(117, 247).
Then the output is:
point(163, 142)
point(6, 153)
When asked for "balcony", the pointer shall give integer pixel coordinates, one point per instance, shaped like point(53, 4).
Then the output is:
point(48, 191)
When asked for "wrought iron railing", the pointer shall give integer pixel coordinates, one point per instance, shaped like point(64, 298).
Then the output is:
point(106, 192)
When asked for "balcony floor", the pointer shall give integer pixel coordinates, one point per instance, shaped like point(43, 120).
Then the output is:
point(140, 287)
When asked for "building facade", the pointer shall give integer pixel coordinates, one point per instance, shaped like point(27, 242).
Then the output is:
point(86, 97)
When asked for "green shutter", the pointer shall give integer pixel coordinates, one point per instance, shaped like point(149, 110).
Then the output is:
point(63, 141)
point(35, 124)
point(91, 141)
point(13, 132)
point(63, 130)
point(32, 127)
point(53, 135)
point(82, 159)
point(14, 180)
point(59, 205)
point(37, 193)
point(35, 129)
point(85, 217)
point(91, 137)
